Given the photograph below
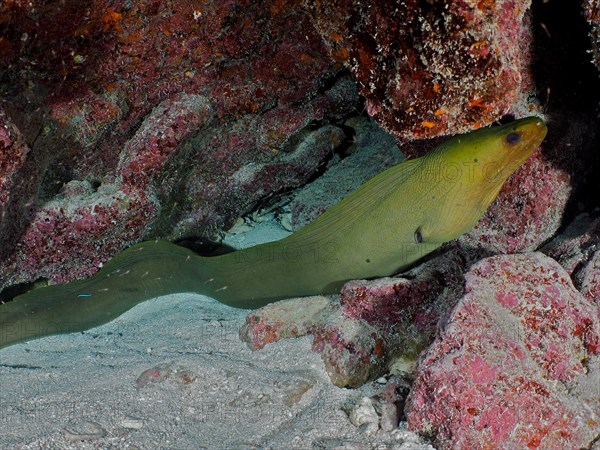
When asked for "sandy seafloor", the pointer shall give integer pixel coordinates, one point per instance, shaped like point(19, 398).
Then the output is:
point(218, 395)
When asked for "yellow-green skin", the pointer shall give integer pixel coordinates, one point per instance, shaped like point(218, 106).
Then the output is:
point(384, 226)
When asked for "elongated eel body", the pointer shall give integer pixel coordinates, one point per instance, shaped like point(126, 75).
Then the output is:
point(387, 224)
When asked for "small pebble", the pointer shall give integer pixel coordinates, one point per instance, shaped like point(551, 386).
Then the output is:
point(88, 431)
point(132, 423)
point(286, 221)
point(390, 416)
point(409, 439)
point(364, 415)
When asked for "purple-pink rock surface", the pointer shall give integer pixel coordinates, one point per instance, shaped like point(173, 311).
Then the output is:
point(517, 363)
point(433, 68)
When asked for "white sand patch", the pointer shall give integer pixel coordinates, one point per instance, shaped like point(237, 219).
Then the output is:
point(218, 394)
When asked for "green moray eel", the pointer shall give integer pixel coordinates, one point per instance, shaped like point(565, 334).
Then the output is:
point(384, 226)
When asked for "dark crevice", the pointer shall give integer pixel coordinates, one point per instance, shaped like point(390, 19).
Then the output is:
point(22, 366)
point(343, 149)
point(593, 443)
point(13, 291)
point(567, 84)
point(95, 184)
point(205, 247)
point(327, 82)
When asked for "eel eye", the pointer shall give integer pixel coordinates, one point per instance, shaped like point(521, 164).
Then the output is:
point(418, 236)
point(513, 138)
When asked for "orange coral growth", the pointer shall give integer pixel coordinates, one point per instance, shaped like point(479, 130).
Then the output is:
point(111, 19)
point(477, 103)
point(335, 37)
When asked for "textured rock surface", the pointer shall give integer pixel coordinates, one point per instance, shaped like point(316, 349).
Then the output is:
point(587, 278)
point(432, 68)
point(16, 199)
point(285, 319)
point(576, 249)
point(592, 14)
point(157, 192)
point(517, 364)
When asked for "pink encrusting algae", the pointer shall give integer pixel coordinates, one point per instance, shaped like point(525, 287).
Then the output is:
point(515, 364)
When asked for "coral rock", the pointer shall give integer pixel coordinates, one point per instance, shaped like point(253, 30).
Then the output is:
point(432, 68)
point(16, 197)
point(284, 319)
point(517, 364)
point(352, 351)
point(576, 250)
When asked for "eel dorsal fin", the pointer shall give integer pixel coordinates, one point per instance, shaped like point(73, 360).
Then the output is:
point(359, 203)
